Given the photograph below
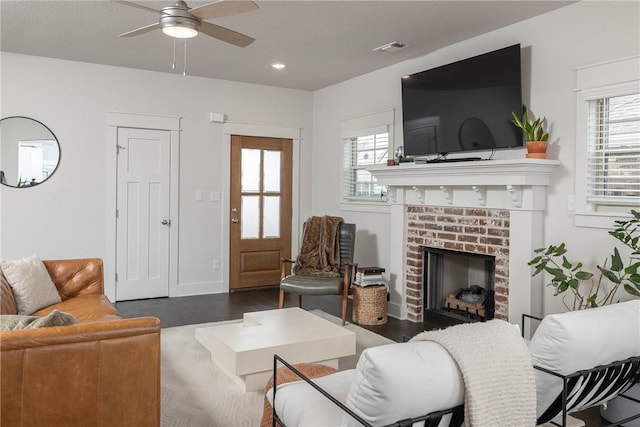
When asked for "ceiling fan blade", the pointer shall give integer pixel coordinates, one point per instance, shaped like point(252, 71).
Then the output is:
point(225, 34)
point(139, 6)
point(223, 8)
point(142, 30)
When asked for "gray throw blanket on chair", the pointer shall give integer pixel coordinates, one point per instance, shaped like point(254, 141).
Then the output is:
point(320, 251)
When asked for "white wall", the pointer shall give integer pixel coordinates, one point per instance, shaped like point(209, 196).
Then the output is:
point(65, 217)
point(553, 45)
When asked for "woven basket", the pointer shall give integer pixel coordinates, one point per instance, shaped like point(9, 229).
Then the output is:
point(370, 305)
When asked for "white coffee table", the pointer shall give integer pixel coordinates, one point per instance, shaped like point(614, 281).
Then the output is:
point(245, 350)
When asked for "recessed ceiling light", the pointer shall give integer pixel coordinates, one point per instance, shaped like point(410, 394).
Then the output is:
point(278, 66)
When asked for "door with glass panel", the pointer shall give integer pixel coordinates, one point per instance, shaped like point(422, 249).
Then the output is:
point(260, 216)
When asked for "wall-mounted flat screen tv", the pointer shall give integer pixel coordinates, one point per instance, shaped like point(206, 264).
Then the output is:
point(463, 106)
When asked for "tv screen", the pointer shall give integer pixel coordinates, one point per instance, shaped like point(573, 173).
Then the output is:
point(463, 106)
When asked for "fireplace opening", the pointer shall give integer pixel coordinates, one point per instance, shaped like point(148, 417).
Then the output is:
point(458, 285)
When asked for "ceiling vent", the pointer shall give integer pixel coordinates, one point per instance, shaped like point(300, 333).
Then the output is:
point(391, 47)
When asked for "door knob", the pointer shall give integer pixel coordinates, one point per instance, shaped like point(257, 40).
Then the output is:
point(234, 220)
point(166, 222)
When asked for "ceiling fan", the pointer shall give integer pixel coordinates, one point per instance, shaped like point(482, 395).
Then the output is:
point(181, 21)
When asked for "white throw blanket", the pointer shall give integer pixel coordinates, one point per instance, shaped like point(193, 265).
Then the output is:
point(500, 390)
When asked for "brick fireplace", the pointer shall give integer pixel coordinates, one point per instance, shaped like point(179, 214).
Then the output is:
point(468, 230)
point(487, 207)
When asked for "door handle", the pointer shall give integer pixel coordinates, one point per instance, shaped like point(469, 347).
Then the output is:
point(234, 220)
point(166, 222)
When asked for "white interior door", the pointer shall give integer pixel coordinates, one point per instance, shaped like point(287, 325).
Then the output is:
point(142, 230)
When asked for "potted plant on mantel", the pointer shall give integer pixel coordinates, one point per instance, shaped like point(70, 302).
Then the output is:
point(537, 137)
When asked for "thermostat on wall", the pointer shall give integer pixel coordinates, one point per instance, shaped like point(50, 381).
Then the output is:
point(216, 117)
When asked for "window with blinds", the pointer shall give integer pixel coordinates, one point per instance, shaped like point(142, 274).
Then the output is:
point(613, 158)
point(361, 152)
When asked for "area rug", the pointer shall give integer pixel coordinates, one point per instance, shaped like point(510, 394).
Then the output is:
point(195, 392)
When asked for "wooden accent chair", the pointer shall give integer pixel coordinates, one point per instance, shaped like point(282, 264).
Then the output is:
point(313, 285)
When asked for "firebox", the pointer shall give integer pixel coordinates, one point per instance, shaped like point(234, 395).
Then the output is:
point(458, 284)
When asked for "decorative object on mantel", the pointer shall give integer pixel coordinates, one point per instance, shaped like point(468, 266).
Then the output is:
point(537, 138)
point(399, 157)
point(568, 275)
point(399, 153)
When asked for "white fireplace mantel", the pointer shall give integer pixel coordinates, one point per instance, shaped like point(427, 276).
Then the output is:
point(518, 186)
point(484, 172)
point(506, 184)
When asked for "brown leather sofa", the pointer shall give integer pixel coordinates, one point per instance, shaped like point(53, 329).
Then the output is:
point(102, 371)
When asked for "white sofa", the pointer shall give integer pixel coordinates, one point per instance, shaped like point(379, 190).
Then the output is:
point(406, 380)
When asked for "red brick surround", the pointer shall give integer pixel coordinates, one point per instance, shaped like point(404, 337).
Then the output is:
point(475, 230)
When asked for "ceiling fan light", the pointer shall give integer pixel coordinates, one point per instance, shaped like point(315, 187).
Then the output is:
point(180, 32)
point(177, 23)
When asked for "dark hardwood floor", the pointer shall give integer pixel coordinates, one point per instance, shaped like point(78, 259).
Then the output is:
point(229, 306)
point(213, 308)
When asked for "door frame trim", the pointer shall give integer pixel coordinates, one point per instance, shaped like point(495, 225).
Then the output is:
point(140, 121)
point(293, 133)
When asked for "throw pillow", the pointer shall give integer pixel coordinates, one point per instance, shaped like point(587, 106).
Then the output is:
point(32, 286)
point(10, 322)
point(7, 300)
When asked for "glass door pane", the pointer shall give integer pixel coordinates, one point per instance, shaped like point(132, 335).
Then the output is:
point(271, 216)
point(251, 169)
point(250, 217)
point(271, 171)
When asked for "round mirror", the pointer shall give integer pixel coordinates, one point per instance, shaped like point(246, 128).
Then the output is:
point(29, 152)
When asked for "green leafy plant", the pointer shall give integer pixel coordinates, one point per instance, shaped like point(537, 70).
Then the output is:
point(588, 289)
point(533, 129)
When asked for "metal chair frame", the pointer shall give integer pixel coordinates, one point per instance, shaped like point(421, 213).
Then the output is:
point(431, 420)
point(568, 381)
point(630, 365)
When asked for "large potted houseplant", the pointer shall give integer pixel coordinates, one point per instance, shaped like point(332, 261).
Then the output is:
point(593, 290)
point(534, 132)
point(589, 289)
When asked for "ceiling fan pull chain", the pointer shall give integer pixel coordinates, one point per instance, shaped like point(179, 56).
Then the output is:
point(184, 67)
point(173, 65)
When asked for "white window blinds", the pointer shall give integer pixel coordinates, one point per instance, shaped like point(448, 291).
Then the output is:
point(607, 166)
point(359, 153)
point(366, 143)
point(613, 158)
